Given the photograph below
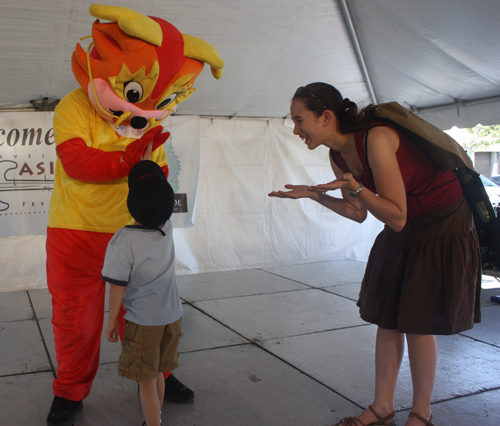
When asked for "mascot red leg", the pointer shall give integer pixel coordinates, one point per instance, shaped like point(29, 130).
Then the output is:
point(133, 75)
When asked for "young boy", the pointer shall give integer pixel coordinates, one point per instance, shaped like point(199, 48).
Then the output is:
point(140, 267)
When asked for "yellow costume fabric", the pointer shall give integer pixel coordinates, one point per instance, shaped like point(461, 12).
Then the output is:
point(84, 206)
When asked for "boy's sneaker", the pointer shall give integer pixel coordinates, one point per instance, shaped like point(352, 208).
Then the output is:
point(63, 411)
point(175, 391)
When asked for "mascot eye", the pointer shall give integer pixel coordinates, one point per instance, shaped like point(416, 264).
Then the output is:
point(133, 92)
point(167, 101)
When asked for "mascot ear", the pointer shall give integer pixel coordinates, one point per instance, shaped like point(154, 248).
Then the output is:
point(196, 48)
point(130, 22)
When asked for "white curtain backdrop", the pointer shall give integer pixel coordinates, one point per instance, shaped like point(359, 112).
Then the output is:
point(236, 225)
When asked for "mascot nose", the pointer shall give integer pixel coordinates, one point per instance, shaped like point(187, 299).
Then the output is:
point(138, 122)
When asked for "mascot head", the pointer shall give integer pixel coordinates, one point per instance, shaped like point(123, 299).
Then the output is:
point(139, 68)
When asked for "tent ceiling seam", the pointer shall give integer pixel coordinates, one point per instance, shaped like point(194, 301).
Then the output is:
point(357, 47)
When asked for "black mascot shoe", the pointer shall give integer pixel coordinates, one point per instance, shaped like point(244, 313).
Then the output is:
point(175, 391)
point(63, 412)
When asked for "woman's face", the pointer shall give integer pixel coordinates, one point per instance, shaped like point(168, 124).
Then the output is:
point(308, 126)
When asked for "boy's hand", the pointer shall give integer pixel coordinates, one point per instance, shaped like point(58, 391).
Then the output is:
point(138, 150)
point(113, 331)
point(147, 154)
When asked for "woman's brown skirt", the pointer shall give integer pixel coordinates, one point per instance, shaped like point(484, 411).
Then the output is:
point(425, 279)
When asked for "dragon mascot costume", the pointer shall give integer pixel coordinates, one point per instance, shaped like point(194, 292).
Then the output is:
point(133, 75)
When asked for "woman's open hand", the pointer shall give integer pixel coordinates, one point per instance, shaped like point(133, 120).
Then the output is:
point(346, 181)
point(296, 192)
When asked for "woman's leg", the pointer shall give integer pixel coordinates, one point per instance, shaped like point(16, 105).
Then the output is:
point(389, 349)
point(150, 402)
point(389, 352)
point(422, 353)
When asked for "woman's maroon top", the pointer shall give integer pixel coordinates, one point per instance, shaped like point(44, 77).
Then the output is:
point(428, 188)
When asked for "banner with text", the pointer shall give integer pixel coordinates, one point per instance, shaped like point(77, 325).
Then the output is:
point(27, 165)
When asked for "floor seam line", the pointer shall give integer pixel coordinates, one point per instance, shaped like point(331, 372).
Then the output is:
point(26, 373)
point(252, 342)
point(42, 336)
point(479, 341)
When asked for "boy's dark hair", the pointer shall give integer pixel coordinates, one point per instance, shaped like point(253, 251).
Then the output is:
point(151, 198)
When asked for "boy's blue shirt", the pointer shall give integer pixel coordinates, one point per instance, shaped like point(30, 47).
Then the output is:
point(143, 260)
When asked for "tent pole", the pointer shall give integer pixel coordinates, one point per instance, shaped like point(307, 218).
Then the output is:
point(441, 107)
point(357, 47)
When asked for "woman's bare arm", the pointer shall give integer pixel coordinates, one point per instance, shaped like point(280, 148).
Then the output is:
point(389, 205)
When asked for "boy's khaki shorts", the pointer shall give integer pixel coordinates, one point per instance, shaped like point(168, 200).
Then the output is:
point(149, 350)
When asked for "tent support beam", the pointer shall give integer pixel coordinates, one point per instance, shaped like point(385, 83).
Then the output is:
point(357, 47)
point(456, 104)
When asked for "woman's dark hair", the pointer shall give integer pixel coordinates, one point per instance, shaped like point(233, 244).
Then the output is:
point(319, 97)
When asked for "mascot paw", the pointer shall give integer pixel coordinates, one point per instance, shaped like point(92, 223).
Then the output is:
point(136, 150)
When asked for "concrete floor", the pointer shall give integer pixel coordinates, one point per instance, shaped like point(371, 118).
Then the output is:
point(272, 346)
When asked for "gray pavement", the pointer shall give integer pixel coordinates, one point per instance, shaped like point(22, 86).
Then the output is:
point(272, 346)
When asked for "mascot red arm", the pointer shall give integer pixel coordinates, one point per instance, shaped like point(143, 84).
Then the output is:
point(133, 75)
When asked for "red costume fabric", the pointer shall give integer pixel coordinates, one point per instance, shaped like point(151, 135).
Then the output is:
point(77, 306)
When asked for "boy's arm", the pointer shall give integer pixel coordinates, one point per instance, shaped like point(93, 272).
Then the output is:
point(115, 302)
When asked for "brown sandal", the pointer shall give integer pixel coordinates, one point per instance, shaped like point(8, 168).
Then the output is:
point(381, 421)
point(426, 422)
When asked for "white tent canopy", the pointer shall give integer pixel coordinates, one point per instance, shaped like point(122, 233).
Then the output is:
point(440, 57)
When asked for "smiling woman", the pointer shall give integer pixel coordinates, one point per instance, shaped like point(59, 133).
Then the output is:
point(428, 232)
